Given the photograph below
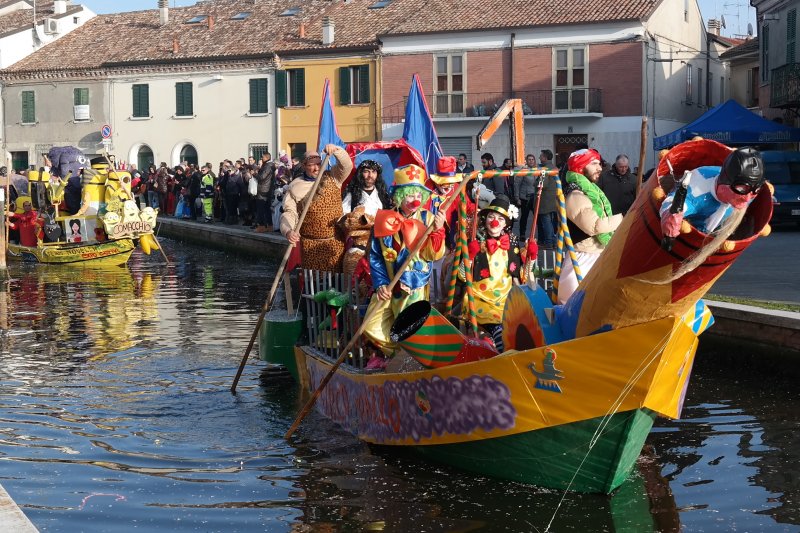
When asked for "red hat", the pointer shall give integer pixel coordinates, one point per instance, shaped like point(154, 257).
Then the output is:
point(579, 159)
point(446, 171)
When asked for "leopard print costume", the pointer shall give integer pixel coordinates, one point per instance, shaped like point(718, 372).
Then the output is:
point(321, 242)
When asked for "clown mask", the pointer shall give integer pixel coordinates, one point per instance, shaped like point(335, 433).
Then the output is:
point(411, 203)
point(495, 224)
point(445, 189)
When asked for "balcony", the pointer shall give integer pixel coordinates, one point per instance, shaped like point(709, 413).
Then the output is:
point(472, 105)
point(785, 86)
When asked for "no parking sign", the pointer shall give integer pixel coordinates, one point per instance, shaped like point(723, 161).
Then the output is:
point(105, 131)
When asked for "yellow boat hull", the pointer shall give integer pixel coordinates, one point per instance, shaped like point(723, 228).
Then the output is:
point(108, 253)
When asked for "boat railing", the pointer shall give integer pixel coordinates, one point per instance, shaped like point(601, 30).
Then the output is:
point(335, 305)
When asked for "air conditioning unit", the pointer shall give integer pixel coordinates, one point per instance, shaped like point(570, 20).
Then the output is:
point(50, 26)
point(81, 113)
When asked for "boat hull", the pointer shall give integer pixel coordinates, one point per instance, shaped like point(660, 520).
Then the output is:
point(107, 253)
point(580, 408)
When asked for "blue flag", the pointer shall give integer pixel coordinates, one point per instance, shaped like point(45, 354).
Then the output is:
point(328, 132)
point(418, 131)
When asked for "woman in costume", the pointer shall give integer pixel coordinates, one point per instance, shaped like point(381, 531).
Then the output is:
point(496, 265)
point(395, 233)
point(589, 218)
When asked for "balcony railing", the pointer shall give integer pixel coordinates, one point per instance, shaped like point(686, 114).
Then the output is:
point(446, 105)
point(785, 86)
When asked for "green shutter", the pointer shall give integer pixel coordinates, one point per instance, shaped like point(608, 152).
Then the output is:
point(300, 87)
point(363, 84)
point(791, 32)
point(28, 107)
point(183, 99)
point(141, 100)
point(258, 95)
point(280, 88)
point(81, 96)
point(344, 86)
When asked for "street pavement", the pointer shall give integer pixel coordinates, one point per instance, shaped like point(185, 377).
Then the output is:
point(768, 270)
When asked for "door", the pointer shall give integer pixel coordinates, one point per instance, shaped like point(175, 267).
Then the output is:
point(566, 144)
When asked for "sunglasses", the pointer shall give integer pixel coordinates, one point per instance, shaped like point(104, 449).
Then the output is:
point(744, 188)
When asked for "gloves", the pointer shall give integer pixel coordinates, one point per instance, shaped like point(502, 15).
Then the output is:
point(671, 224)
point(532, 250)
point(473, 248)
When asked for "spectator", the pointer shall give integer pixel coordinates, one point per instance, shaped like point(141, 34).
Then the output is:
point(266, 179)
point(496, 184)
point(464, 166)
point(619, 185)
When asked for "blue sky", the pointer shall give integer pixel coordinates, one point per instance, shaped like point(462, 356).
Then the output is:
point(737, 13)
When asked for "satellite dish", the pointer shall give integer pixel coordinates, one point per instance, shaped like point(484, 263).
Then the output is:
point(722, 21)
point(749, 29)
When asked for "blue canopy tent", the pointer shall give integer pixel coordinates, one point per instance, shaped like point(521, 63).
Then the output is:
point(730, 123)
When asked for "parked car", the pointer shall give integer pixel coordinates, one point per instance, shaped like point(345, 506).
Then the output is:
point(783, 171)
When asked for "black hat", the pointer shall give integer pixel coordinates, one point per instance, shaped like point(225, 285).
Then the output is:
point(743, 168)
point(500, 204)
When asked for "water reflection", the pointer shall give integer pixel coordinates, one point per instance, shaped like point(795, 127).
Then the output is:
point(115, 415)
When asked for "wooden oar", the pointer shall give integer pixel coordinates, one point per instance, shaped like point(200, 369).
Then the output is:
point(279, 273)
point(642, 148)
point(413, 252)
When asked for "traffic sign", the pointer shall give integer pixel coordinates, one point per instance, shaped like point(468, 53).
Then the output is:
point(105, 131)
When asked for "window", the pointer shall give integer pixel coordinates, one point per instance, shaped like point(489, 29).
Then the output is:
point(791, 34)
point(297, 150)
point(722, 89)
point(765, 52)
point(292, 11)
point(81, 96)
point(141, 100)
point(689, 91)
point(183, 99)
point(257, 150)
point(197, 20)
point(752, 87)
point(449, 94)
point(189, 154)
point(258, 96)
point(354, 85)
point(290, 87)
point(241, 16)
point(28, 107)
point(699, 87)
point(570, 79)
point(380, 4)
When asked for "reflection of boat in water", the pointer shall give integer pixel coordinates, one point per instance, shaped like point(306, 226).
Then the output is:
point(570, 403)
point(103, 230)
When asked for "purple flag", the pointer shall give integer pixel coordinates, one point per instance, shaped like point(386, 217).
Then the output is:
point(418, 131)
point(328, 132)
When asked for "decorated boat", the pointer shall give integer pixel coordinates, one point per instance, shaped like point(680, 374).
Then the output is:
point(102, 232)
point(571, 401)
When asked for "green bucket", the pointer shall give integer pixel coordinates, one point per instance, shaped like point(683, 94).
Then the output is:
point(277, 339)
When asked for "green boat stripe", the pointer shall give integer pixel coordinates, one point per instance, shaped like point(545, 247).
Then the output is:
point(439, 329)
point(433, 347)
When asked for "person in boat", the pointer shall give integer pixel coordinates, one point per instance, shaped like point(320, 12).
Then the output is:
point(496, 265)
point(589, 218)
point(367, 189)
point(28, 224)
point(321, 245)
point(444, 185)
point(395, 233)
point(715, 194)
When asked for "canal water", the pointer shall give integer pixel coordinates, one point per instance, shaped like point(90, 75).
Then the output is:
point(116, 415)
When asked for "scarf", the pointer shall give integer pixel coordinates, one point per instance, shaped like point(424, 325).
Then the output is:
point(600, 202)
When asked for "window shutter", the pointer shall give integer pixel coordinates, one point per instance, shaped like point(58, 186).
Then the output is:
point(363, 84)
point(791, 33)
point(300, 87)
point(183, 99)
point(258, 95)
point(28, 107)
point(141, 100)
point(80, 96)
point(344, 86)
point(178, 99)
point(280, 88)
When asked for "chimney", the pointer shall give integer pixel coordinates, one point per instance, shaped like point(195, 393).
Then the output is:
point(302, 30)
point(176, 47)
point(60, 7)
point(163, 11)
point(327, 31)
point(210, 22)
point(713, 26)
